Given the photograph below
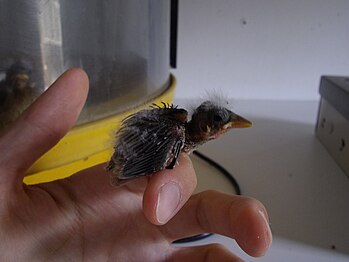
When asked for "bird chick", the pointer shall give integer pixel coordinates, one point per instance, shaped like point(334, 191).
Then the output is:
point(17, 92)
point(151, 139)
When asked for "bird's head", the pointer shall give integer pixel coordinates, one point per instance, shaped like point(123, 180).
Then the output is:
point(210, 120)
point(18, 76)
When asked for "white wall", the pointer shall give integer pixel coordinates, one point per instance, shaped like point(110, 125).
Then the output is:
point(266, 49)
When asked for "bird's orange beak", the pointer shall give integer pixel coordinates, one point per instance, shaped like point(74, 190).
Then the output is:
point(241, 122)
point(238, 122)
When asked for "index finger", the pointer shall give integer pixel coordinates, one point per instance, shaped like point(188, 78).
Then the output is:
point(243, 218)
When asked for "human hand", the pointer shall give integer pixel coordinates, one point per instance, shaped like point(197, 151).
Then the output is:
point(84, 218)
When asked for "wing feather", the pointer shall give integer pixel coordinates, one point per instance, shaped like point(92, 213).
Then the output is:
point(145, 144)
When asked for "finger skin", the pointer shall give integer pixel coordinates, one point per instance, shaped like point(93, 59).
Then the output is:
point(181, 177)
point(241, 218)
point(37, 130)
point(94, 183)
point(207, 253)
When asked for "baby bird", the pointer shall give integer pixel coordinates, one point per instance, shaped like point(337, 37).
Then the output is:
point(151, 139)
point(17, 92)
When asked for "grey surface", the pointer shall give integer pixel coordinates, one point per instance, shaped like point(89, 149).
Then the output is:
point(280, 162)
point(210, 178)
point(333, 132)
point(335, 90)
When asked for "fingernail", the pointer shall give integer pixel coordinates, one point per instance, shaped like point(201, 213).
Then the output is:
point(268, 236)
point(168, 200)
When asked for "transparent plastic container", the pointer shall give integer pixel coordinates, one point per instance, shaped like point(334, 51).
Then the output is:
point(124, 47)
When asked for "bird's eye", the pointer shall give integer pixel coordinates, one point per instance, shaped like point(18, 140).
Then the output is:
point(220, 116)
point(217, 118)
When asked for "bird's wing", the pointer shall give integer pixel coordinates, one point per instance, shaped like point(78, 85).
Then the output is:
point(143, 150)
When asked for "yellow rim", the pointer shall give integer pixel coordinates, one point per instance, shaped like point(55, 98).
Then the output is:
point(85, 145)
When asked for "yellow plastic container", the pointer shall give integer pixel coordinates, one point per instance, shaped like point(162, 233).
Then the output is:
point(85, 145)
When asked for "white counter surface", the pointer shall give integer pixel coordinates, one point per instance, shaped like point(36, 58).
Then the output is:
point(280, 162)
